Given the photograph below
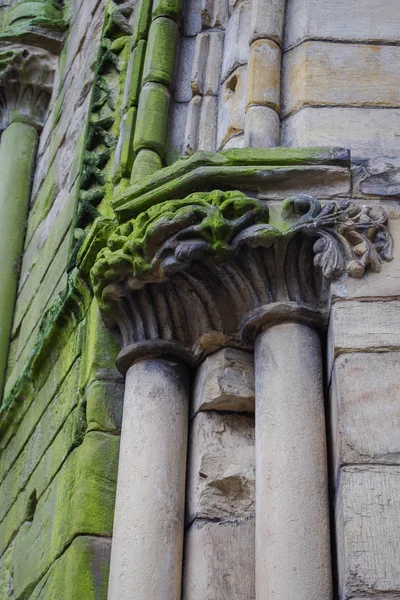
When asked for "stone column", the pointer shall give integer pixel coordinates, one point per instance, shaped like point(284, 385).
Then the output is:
point(292, 513)
point(17, 157)
point(146, 558)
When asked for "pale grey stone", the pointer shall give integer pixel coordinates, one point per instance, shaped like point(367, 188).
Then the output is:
point(225, 382)
point(219, 561)
point(207, 63)
point(365, 404)
point(367, 532)
point(366, 132)
point(364, 326)
point(262, 127)
point(221, 467)
point(182, 91)
point(191, 135)
point(232, 106)
point(176, 131)
point(208, 124)
point(150, 500)
point(236, 46)
point(342, 20)
point(267, 19)
point(292, 511)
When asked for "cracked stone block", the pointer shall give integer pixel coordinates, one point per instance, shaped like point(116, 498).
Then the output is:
point(225, 382)
point(221, 474)
point(219, 561)
point(236, 46)
point(232, 105)
point(367, 514)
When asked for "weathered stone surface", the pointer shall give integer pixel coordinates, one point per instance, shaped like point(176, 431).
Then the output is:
point(208, 124)
point(152, 118)
point(104, 406)
point(264, 75)
point(342, 20)
point(320, 74)
point(367, 514)
point(367, 132)
point(236, 44)
point(176, 131)
point(207, 63)
point(82, 571)
point(261, 127)
point(384, 284)
point(365, 404)
point(209, 14)
point(181, 90)
point(160, 51)
point(221, 467)
point(225, 381)
point(232, 103)
point(219, 561)
point(267, 19)
point(378, 329)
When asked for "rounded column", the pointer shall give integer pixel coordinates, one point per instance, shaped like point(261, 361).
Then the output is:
point(293, 558)
point(17, 159)
point(146, 557)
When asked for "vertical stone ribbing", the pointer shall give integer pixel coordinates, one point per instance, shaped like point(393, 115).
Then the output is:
point(292, 516)
point(17, 157)
point(146, 558)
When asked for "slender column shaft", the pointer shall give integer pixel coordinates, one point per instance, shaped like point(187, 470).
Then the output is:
point(292, 515)
point(17, 157)
point(146, 558)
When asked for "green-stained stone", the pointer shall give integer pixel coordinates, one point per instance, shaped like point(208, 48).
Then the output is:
point(124, 154)
point(104, 402)
point(134, 76)
point(152, 118)
point(166, 8)
point(147, 162)
point(29, 9)
point(81, 573)
point(142, 22)
point(160, 53)
point(17, 156)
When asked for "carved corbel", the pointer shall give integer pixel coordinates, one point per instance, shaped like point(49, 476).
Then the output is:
point(187, 272)
point(26, 83)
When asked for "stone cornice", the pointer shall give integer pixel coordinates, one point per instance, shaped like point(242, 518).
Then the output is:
point(26, 83)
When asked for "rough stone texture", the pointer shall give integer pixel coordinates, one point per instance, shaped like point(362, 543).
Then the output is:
point(267, 19)
point(151, 471)
point(367, 132)
point(261, 127)
point(342, 20)
point(320, 74)
point(367, 514)
point(221, 467)
point(365, 405)
point(225, 382)
point(232, 103)
point(264, 75)
point(236, 45)
point(378, 330)
point(293, 554)
point(219, 561)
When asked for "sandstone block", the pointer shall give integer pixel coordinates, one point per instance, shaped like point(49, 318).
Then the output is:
point(207, 63)
point(133, 79)
point(152, 118)
point(176, 131)
point(181, 90)
point(366, 132)
point(261, 127)
point(208, 14)
point(208, 124)
point(364, 326)
point(365, 402)
point(317, 73)
point(367, 514)
point(219, 561)
point(236, 46)
point(225, 381)
point(232, 104)
point(160, 52)
point(264, 74)
point(342, 20)
point(267, 19)
point(221, 467)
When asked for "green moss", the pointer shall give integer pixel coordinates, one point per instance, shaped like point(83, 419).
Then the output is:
point(152, 118)
point(146, 163)
point(104, 406)
point(167, 8)
point(134, 76)
point(160, 54)
point(124, 155)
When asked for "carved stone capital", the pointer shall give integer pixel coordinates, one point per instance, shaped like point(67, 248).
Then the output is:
point(190, 270)
point(26, 83)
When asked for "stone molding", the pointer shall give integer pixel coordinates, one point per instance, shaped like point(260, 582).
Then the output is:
point(26, 83)
point(188, 272)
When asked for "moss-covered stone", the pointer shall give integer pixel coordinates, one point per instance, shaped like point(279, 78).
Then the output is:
point(80, 573)
point(146, 163)
point(167, 8)
point(104, 402)
point(30, 9)
point(134, 76)
point(152, 118)
point(84, 489)
point(160, 53)
point(142, 22)
point(124, 154)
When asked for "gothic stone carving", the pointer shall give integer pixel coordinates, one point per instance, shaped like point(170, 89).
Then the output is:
point(26, 82)
point(190, 270)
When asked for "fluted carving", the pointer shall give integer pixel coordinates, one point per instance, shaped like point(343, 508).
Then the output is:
point(26, 82)
point(189, 270)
